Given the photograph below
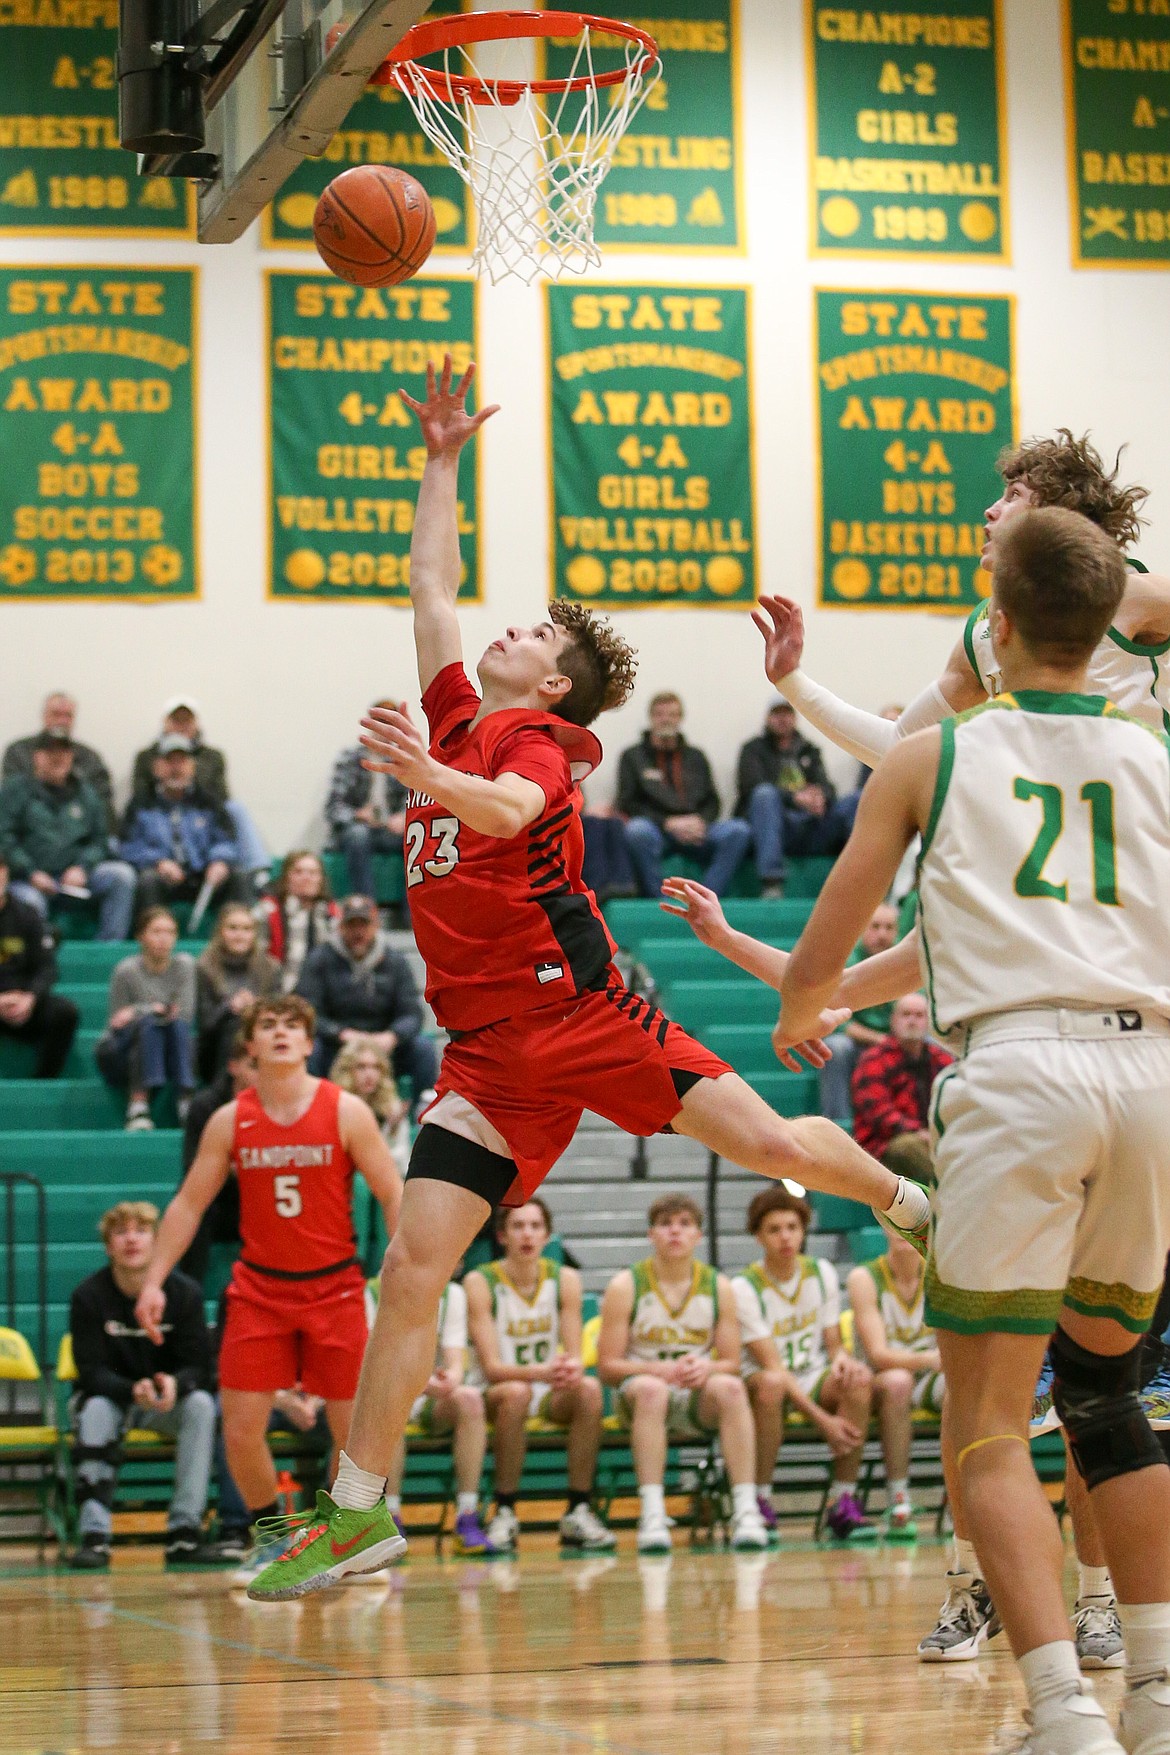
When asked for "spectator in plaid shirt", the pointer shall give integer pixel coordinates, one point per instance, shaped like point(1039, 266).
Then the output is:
point(892, 1082)
point(366, 814)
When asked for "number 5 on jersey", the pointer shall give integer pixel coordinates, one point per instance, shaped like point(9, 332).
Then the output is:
point(289, 1203)
point(445, 857)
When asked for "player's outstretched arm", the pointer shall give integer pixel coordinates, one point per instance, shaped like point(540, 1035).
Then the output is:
point(435, 561)
point(180, 1222)
point(894, 806)
point(362, 1138)
point(865, 735)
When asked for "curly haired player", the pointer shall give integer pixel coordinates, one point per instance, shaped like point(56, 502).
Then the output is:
point(520, 974)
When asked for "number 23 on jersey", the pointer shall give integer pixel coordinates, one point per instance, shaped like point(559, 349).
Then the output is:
point(440, 842)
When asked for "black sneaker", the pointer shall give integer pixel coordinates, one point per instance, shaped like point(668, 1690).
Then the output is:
point(229, 1545)
point(93, 1554)
point(184, 1546)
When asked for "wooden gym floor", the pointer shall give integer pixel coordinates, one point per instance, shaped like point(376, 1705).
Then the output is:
point(803, 1650)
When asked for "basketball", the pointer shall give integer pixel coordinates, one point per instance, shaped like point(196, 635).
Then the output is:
point(374, 225)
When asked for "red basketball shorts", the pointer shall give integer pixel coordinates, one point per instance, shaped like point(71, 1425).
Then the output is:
point(285, 1334)
point(532, 1076)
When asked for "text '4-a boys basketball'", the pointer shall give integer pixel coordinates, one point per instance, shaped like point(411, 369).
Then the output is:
point(374, 225)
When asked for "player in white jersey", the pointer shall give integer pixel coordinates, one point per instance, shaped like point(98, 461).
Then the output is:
point(524, 1315)
point(448, 1405)
point(670, 1344)
point(789, 1307)
point(887, 1297)
point(1045, 891)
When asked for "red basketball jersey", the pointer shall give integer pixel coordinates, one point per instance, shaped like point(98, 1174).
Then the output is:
point(504, 926)
point(296, 1186)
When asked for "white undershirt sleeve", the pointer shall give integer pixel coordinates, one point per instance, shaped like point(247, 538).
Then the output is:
point(929, 708)
point(864, 735)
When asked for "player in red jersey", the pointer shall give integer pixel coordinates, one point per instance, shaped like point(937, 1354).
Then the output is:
point(295, 1302)
point(520, 973)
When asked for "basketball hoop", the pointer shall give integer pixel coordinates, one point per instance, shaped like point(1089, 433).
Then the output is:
point(532, 151)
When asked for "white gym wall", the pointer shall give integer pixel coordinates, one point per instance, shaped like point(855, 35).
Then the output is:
point(281, 685)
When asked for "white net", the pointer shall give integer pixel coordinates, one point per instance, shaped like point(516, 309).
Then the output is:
point(533, 162)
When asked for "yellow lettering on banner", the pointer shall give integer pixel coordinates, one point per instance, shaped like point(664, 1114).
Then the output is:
point(707, 36)
point(111, 298)
point(658, 152)
point(370, 462)
point(658, 311)
point(654, 535)
point(683, 408)
point(68, 133)
point(906, 128)
point(312, 353)
point(903, 176)
point(947, 541)
point(906, 30)
point(115, 396)
point(310, 512)
point(653, 493)
point(967, 322)
point(637, 355)
point(78, 480)
point(355, 147)
point(1123, 54)
point(320, 297)
point(1152, 168)
point(87, 523)
point(888, 415)
point(52, 14)
point(898, 361)
point(136, 344)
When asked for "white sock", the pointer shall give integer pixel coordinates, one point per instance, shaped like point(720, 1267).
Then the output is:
point(466, 1503)
point(964, 1557)
point(356, 1489)
point(910, 1207)
point(743, 1498)
point(1094, 1581)
point(1051, 1675)
point(898, 1491)
point(653, 1503)
point(1146, 1629)
point(394, 1501)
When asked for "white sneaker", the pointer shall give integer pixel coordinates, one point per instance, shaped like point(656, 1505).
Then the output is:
point(503, 1530)
point(582, 1529)
point(138, 1118)
point(1097, 1631)
point(749, 1532)
point(654, 1529)
point(1145, 1718)
point(1079, 1727)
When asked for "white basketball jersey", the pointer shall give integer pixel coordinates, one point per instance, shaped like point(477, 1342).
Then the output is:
point(1135, 678)
point(452, 1318)
point(1044, 878)
point(905, 1324)
point(795, 1315)
point(528, 1330)
point(659, 1330)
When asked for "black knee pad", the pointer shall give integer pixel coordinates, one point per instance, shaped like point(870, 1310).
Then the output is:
point(102, 1490)
point(1096, 1396)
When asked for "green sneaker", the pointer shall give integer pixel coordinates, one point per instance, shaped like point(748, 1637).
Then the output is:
point(919, 1236)
point(325, 1545)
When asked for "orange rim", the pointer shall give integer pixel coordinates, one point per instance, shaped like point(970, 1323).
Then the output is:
point(403, 68)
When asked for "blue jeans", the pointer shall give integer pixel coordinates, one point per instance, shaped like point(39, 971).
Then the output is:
point(112, 886)
point(607, 868)
point(254, 856)
point(359, 842)
point(147, 1054)
point(101, 1423)
point(724, 847)
point(836, 1079)
point(780, 829)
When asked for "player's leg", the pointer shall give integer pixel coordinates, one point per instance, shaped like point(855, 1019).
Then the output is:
point(579, 1408)
point(967, 1617)
point(645, 1404)
point(1096, 1625)
point(338, 1414)
point(766, 1394)
point(892, 1395)
point(462, 1413)
point(846, 1390)
point(507, 1411)
point(722, 1405)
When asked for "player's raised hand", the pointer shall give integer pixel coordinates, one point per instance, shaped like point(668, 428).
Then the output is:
point(814, 1049)
point(445, 422)
point(698, 906)
point(781, 623)
point(396, 746)
point(152, 1301)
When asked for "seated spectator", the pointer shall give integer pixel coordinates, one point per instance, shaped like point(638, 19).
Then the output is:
point(788, 798)
point(889, 1313)
point(221, 1222)
point(181, 719)
point(358, 985)
point(181, 839)
point(124, 1381)
point(233, 971)
point(366, 814)
point(364, 1069)
point(58, 716)
point(891, 1088)
point(670, 1346)
point(524, 1318)
point(666, 793)
point(869, 1025)
point(29, 1010)
point(148, 1042)
point(606, 867)
point(448, 1405)
point(298, 914)
point(789, 1308)
point(55, 832)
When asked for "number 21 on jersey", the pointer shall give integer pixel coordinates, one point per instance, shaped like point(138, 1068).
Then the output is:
point(444, 837)
point(1098, 796)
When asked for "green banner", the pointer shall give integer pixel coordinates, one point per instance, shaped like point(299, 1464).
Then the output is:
point(675, 181)
point(652, 446)
point(379, 130)
point(98, 490)
point(1117, 73)
point(915, 397)
point(61, 168)
point(908, 148)
point(346, 454)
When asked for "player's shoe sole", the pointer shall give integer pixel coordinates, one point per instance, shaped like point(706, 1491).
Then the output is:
point(331, 1543)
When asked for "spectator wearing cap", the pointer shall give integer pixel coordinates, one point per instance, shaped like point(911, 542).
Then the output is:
point(366, 814)
point(181, 719)
point(54, 832)
point(29, 1010)
point(181, 839)
point(58, 714)
point(785, 793)
point(358, 985)
point(666, 792)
